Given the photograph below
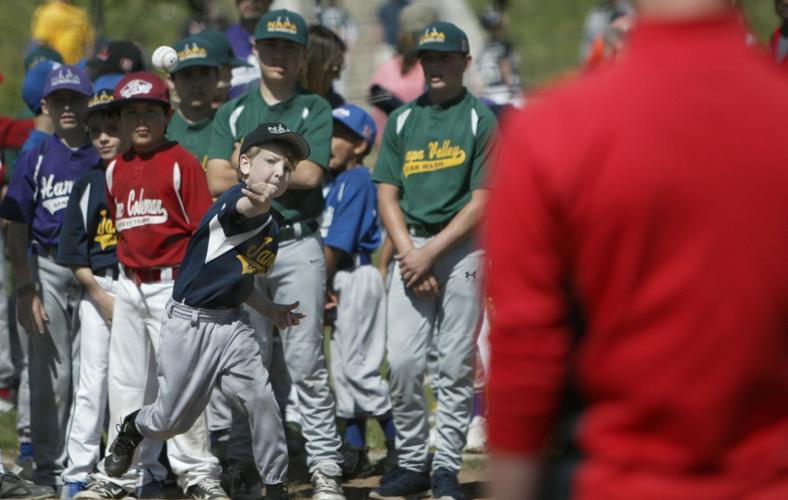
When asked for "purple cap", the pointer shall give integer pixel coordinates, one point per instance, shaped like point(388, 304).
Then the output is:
point(68, 77)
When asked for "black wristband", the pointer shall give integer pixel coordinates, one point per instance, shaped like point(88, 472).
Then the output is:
point(28, 289)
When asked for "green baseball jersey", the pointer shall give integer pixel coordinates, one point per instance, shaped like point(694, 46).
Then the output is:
point(194, 137)
point(307, 114)
point(436, 154)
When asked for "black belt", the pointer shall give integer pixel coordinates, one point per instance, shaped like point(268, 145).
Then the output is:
point(298, 230)
point(109, 271)
point(425, 230)
point(351, 261)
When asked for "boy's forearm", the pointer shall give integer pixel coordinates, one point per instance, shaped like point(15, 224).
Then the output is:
point(246, 208)
point(88, 281)
point(393, 218)
point(17, 243)
point(332, 256)
point(307, 175)
point(259, 302)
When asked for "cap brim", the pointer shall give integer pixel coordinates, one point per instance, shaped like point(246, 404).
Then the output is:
point(189, 63)
point(300, 146)
point(65, 87)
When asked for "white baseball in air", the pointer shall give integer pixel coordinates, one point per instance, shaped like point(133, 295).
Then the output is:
point(165, 58)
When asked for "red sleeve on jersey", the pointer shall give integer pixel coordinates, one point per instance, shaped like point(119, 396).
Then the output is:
point(529, 336)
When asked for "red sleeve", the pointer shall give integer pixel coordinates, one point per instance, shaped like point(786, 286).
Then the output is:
point(194, 192)
point(529, 337)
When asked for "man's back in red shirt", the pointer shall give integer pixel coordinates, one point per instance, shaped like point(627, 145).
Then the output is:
point(654, 197)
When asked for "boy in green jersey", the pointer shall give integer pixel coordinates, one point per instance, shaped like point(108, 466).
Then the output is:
point(431, 194)
point(299, 273)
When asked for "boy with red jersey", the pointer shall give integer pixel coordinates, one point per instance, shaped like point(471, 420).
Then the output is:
point(157, 194)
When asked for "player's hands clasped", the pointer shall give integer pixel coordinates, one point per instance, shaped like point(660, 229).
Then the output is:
point(414, 265)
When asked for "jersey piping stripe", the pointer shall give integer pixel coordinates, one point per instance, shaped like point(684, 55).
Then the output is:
point(35, 175)
point(83, 206)
point(474, 121)
point(219, 243)
point(108, 175)
point(176, 182)
point(233, 122)
point(401, 120)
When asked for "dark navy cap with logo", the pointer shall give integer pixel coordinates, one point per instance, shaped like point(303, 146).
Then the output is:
point(282, 24)
point(67, 77)
point(443, 36)
point(269, 132)
point(358, 121)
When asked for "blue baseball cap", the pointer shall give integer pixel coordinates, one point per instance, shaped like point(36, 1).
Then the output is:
point(358, 121)
point(107, 82)
point(33, 84)
point(68, 77)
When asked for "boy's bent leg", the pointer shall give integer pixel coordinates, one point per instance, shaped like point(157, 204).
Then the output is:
point(300, 271)
point(245, 382)
point(410, 323)
point(89, 412)
point(461, 270)
point(51, 371)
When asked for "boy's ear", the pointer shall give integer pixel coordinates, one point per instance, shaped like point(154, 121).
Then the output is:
point(244, 166)
point(360, 148)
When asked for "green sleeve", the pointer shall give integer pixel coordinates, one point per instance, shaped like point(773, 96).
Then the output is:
point(222, 140)
point(318, 129)
point(483, 149)
point(389, 165)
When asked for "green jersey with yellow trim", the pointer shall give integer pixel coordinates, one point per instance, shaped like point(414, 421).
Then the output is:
point(307, 114)
point(436, 154)
point(193, 137)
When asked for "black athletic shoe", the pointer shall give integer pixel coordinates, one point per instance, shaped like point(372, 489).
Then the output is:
point(121, 452)
point(389, 462)
point(13, 486)
point(276, 492)
point(207, 489)
point(241, 480)
point(356, 464)
point(402, 482)
point(445, 485)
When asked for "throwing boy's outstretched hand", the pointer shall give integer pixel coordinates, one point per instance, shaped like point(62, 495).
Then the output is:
point(260, 195)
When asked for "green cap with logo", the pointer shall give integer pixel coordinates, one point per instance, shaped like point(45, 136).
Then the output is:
point(282, 24)
point(442, 36)
point(196, 50)
point(223, 50)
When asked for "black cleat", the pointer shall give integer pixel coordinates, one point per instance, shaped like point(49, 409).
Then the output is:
point(121, 452)
point(276, 492)
point(445, 485)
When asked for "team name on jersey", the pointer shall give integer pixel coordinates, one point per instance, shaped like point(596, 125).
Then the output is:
point(139, 211)
point(257, 259)
point(106, 236)
point(439, 155)
point(54, 195)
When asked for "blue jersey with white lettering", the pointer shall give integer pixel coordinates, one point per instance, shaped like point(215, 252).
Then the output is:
point(88, 237)
point(350, 220)
point(42, 181)
point(224, 255)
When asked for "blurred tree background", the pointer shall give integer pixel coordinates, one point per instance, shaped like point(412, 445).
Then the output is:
point(546, 32)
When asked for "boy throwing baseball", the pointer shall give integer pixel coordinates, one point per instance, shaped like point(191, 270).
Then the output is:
point(206, 328)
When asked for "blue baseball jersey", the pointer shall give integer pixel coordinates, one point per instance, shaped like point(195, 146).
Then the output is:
point(88, 237)
point(350, 220)
point(225, 254)
point(41, 184)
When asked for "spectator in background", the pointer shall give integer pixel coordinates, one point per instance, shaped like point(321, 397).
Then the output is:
point(779, 41)
point(64, 27)
point(228, 62)
point(401, 77)
point(498, 63)
point(335, 17)
point(325, 60)
point(116, 57)
point(598, 19)
point(241, 37)
point(389, 19)
point(41, 53)
point(611, 43)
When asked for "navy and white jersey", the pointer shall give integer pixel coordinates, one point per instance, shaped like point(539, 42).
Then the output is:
point(224, 255)
point(41, 184)
point(350, 220)
point(88, 237)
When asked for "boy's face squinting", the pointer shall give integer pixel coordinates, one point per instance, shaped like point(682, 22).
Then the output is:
point(68, 109)
point(280, 60)
point(196, 85)
point(144, 123)
point(345, 146)
point(268, 166)
point(105, 135)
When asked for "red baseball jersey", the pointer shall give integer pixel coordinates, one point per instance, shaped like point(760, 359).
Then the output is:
point(157, 200)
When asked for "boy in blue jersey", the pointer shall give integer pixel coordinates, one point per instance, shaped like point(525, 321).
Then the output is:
point(87, 245)
point(355, 290)
point(206, 338)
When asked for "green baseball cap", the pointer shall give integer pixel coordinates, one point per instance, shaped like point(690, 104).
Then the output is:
point(282, 24)
point(442, 36)
point(223, 49)
point(195, 50)
point(42, 53)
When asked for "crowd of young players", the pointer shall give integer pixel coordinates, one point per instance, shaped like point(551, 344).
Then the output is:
point(111, 231)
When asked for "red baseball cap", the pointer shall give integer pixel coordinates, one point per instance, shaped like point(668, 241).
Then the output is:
point(142, 86)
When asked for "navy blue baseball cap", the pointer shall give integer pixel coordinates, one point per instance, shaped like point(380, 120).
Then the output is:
point(68, 77)
point(33, 84)
point(358, 121)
